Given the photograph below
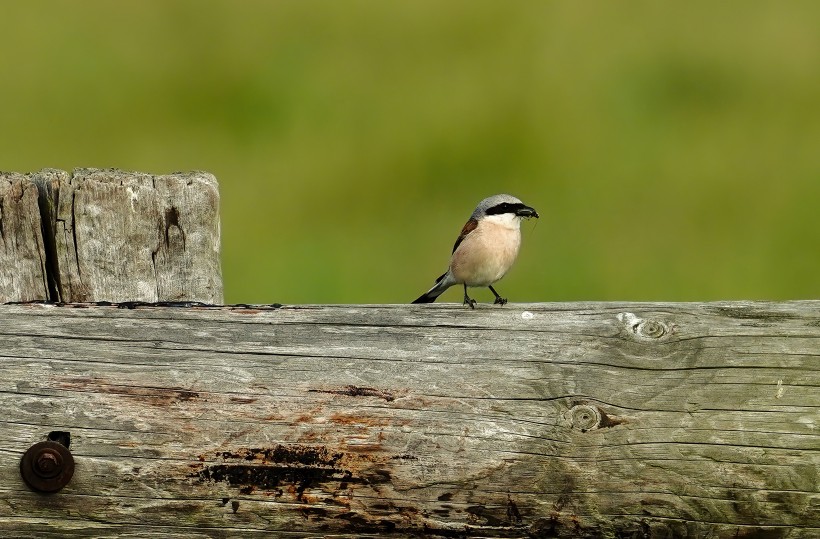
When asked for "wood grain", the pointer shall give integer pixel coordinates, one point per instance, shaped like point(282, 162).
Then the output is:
point(22, 253)
point(543, 420)
point(129, 236)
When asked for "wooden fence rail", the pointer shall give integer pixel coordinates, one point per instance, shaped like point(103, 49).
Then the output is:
point(544, 420)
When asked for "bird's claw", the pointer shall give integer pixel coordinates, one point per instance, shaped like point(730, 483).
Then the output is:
point(469, 301)
point(500, 301)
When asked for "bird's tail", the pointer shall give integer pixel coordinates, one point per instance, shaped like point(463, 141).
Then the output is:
point(442, 284)
point(428, 297)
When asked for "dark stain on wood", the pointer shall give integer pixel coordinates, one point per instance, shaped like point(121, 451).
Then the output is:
point(172, 219)
point(608, 420)
point(751, 313)
point(513, 514)
point(296, 468)
point(250, 478)
point(356, 391)
point(155, 396)
point(360, 420)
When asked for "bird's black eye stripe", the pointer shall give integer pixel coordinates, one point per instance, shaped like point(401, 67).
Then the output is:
point(505, 207)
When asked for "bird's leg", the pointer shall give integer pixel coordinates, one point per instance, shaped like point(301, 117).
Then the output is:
point(467, 299)
point(498, 299)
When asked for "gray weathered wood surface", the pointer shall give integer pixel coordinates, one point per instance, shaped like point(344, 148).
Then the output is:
point(129, 236)
point(543, 420)
point(22, 253)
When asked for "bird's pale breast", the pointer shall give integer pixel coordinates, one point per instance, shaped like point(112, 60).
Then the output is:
point(486, 254)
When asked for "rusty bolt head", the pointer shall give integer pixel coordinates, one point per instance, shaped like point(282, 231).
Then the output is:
point(47, 466)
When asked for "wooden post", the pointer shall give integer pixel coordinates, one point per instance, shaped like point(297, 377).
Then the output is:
point(23, 275)
point(547, 420)
point(128, 236)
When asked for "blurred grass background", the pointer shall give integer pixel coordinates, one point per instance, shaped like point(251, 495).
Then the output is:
point(672, 149)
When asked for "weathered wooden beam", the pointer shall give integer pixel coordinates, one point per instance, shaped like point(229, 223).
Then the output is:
point(129, 236)
point(547, 420)
point(22, 253)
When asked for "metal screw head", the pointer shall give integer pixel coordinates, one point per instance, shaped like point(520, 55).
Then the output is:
point(47, 466)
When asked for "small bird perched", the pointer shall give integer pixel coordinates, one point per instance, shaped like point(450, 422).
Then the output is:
point(486, 248)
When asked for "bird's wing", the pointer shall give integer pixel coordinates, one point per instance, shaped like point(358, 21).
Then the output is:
point(469, 227)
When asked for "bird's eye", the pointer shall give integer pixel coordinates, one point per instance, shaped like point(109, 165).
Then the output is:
point(499, 209)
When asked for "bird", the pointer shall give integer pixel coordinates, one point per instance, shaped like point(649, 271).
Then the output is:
point(486, 248)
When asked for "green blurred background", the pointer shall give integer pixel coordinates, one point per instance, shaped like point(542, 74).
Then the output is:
point(672, 149)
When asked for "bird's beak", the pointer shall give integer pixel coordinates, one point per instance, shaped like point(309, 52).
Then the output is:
point(526, 211)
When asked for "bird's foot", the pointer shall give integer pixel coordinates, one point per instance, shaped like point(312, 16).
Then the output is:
point(467, 299)
point(498, 299)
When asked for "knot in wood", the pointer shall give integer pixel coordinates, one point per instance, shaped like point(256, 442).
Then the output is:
point(584, 417)
point(642, 328)
point(651, 329)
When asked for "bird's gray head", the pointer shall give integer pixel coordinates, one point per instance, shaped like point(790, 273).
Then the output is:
point(502, 204)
